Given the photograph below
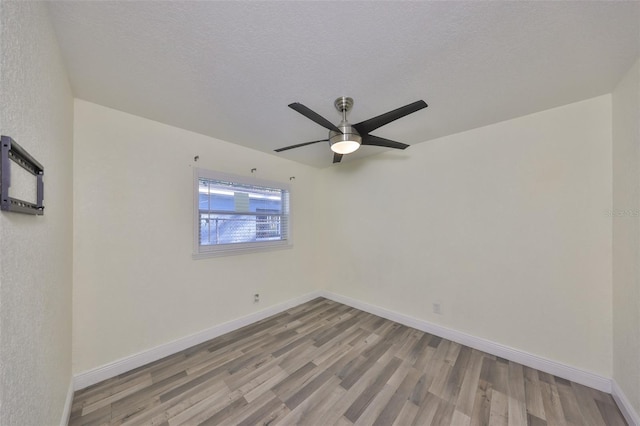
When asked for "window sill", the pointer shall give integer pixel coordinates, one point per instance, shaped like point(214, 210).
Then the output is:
point(239, 250)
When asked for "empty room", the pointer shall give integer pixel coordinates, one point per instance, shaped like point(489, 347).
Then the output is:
point(319, 213)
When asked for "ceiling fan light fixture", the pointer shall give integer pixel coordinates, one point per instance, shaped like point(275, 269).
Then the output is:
point(345, 147)
point(346, 142)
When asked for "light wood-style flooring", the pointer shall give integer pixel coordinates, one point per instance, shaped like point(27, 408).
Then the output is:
point(324, 363)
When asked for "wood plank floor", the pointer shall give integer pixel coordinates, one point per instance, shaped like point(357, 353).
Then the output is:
point(324, 363)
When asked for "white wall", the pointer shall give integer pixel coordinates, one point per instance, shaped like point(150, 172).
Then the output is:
point(35, 252)
point(505, 226)
point(626, 235)
point(135, 283)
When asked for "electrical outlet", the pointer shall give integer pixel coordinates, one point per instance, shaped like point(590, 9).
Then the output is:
point(437, 308)
point(256, 298)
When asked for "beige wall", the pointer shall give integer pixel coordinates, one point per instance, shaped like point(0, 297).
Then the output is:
point(35, 252)
point(136, 285)
point(505, 226)
point(626, 235)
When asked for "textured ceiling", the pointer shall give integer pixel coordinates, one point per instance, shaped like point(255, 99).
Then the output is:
point(229, 69)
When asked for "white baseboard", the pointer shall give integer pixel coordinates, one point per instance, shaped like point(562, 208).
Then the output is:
point(107, 371)
point(624, 404)
point(66, 412)
point(534, 361)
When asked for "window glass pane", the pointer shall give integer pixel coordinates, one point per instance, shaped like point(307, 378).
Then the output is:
point(227, 229)
point(268, 226)
point(225, 196)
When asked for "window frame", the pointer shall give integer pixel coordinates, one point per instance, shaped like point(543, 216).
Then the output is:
point(215, 250)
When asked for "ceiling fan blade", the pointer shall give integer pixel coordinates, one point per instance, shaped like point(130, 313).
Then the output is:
point(299, 145)
point(314, 116)
point(337, 157)
point(373, 123)
point(378, 141)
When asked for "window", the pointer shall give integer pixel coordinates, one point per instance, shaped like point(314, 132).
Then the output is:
point(235, 214)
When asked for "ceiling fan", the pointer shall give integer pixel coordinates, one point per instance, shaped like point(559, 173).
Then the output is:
point(345, 138)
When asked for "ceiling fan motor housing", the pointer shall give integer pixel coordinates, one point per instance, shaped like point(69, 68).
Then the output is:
point(347, 141)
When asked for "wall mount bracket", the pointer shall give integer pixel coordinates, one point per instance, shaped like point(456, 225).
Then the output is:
point(11, 152)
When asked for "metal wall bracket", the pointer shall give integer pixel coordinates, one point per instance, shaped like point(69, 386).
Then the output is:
point(11, 152)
